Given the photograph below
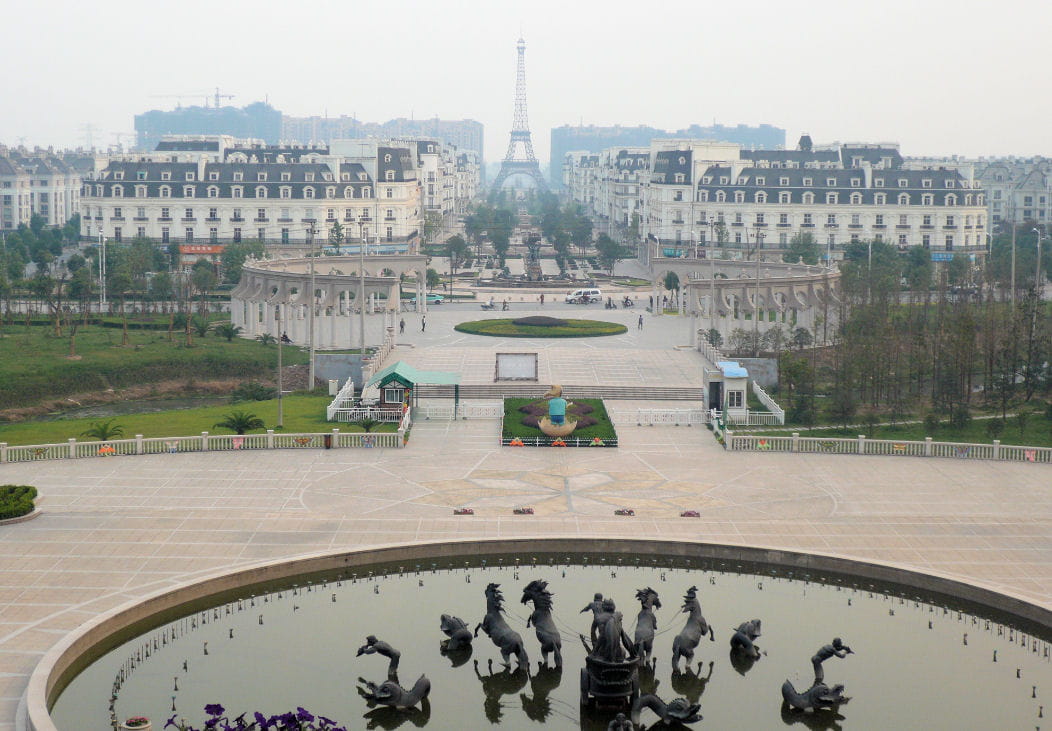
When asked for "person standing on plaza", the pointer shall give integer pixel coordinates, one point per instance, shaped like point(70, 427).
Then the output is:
point(641, 322)
point(542, 299)
point(401, 326)
point(423, 324)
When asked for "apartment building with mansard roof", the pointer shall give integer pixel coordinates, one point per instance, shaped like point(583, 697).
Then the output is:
point(37, 182)
point(698, 194)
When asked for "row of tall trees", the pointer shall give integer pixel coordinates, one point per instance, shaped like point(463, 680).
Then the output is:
point(913, 336)
point(492, 223)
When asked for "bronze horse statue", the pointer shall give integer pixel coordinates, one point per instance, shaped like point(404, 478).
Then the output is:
point(503, 636)
point(695, 628)
point(541, 619)
point(646, 624)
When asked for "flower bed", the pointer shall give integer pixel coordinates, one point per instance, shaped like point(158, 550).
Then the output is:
point(509, 328)
point(594, 428)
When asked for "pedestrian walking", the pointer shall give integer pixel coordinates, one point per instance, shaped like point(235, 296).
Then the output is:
point(542, 299)
point(401, 326)
point(423, 324)
point(641, 322)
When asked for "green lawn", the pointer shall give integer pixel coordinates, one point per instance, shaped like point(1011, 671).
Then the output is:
point(34, 364)
point(513, 426)
point(303, 413)
point(1038, 432)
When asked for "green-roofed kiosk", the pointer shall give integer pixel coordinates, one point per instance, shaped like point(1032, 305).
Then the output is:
point(397, 384)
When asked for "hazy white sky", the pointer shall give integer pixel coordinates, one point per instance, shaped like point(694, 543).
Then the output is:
point(938, 76)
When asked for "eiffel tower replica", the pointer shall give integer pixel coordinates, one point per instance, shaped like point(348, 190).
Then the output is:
point(519, 159)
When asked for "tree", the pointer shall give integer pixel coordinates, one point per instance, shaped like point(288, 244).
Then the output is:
point(228, 330)
point(802, 246)
point(432, 225)
point(459, 253)
point(203, 280)
point(671, 282)
point(714, 338)
point(104, 431)
point(240, 422)
point(336, 235)
point(918, 268)
point(234, 256)
point(610, 252)
point(433, 279)
point(801, 338)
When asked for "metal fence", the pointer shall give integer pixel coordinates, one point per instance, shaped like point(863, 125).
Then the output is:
point(671, 417)
point(465, 410)
point(769, 402)
point(206, 442)
point(889, 447)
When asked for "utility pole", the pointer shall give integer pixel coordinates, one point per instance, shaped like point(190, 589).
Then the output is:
point(102, 273)
point(313, 305)
point(361, 291)
point(756, 297)
point(281, 342)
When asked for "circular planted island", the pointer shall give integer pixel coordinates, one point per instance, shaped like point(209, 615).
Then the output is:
point(539, 326)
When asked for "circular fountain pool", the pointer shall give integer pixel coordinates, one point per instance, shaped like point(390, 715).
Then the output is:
point(920, 660)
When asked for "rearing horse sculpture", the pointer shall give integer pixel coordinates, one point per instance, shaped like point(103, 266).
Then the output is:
point(541, 619)
point(646, 624)
point(692, 632)
point(503, 636)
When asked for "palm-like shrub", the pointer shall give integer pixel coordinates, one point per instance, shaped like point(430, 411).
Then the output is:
point(367, 424)
point(228, 330)
point(104, 431)
point(240, 422)
point(266, 339)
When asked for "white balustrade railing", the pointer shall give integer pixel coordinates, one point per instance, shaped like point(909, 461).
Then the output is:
point(673, 417)
point(710, 351)
point(385, 415)
point(466, 410)
point(205, 442)
point(343, 400)
point(755, 418)
point(887, 447)
point(769, 402)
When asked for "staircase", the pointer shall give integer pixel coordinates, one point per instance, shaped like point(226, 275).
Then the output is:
point(534, 390)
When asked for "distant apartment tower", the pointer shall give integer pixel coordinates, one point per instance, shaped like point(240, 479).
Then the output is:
point(465, 134)
point(258, 120)
point(574, 138)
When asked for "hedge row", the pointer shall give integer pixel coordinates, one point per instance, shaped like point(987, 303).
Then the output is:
point(16, 500)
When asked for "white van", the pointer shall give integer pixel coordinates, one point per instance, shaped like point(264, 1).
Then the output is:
point(583, 296)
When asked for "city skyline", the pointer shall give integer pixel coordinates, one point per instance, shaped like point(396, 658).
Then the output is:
point(927, 76)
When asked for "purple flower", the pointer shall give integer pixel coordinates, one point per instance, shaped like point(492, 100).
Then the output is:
point(261, 719)
point(303, 715)
point(214, 709)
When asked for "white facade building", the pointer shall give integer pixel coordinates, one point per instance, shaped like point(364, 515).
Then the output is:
point(37, 182)
point(217, 190)
point(698, 194)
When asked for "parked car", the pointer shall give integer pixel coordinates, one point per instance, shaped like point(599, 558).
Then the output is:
point(463, 511)
point(624, 511)
point(690, 514)
point(583, 296)
point(523, 511)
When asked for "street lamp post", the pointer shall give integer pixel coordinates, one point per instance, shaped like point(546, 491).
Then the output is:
point(313, 305)
point(1039, 279)
point(281, 342)
point(102, 272)
point(756, 296)
point(361, 288)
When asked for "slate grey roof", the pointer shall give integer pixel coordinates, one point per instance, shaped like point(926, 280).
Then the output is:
point(669, 163)
point(396, 160)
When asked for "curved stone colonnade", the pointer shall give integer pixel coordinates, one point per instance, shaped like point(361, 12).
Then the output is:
point(720, 293)
point(274, 296)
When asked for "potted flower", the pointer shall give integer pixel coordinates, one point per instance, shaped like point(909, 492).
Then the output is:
point(140, 723)
point(558, 443)
point(516, 442)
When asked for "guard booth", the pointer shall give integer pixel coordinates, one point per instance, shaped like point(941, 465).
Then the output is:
point(725, 389)
point(396, 385)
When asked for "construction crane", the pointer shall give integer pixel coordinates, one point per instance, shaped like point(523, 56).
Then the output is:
point(219, 96)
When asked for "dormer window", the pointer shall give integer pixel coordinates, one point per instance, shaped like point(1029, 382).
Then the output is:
point(707, 180)
point(831, 182)
point(348, 191)
point(213, 191)
point(308, 192)
point(190, 176)
point(213, 176)
point(783, 181)
point(855, 182)
point(809, 181)
point(238, 177)
point(926, 183)
point(330, 192)
point(739, 196)
point(743, 180)
point(387, 158)
point(261, 177)
point(117, 191)
point(261, 192)
point(326, 176)
point(682, 160)
point(140, 175)
point(856, 199)
point(878, 182)
point(389, 175)
point(362, 176)
point(949, 183)
point(309, 177)
point(761, 181)
point(118, 175)
point(880, 199)
point(188, 191)
point(286, 191)
point(680, 178)
point(367, 192)
point(285, 177)
point(166, 175)
point(724, 180)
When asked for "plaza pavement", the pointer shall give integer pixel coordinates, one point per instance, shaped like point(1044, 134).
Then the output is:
point(115, 529)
